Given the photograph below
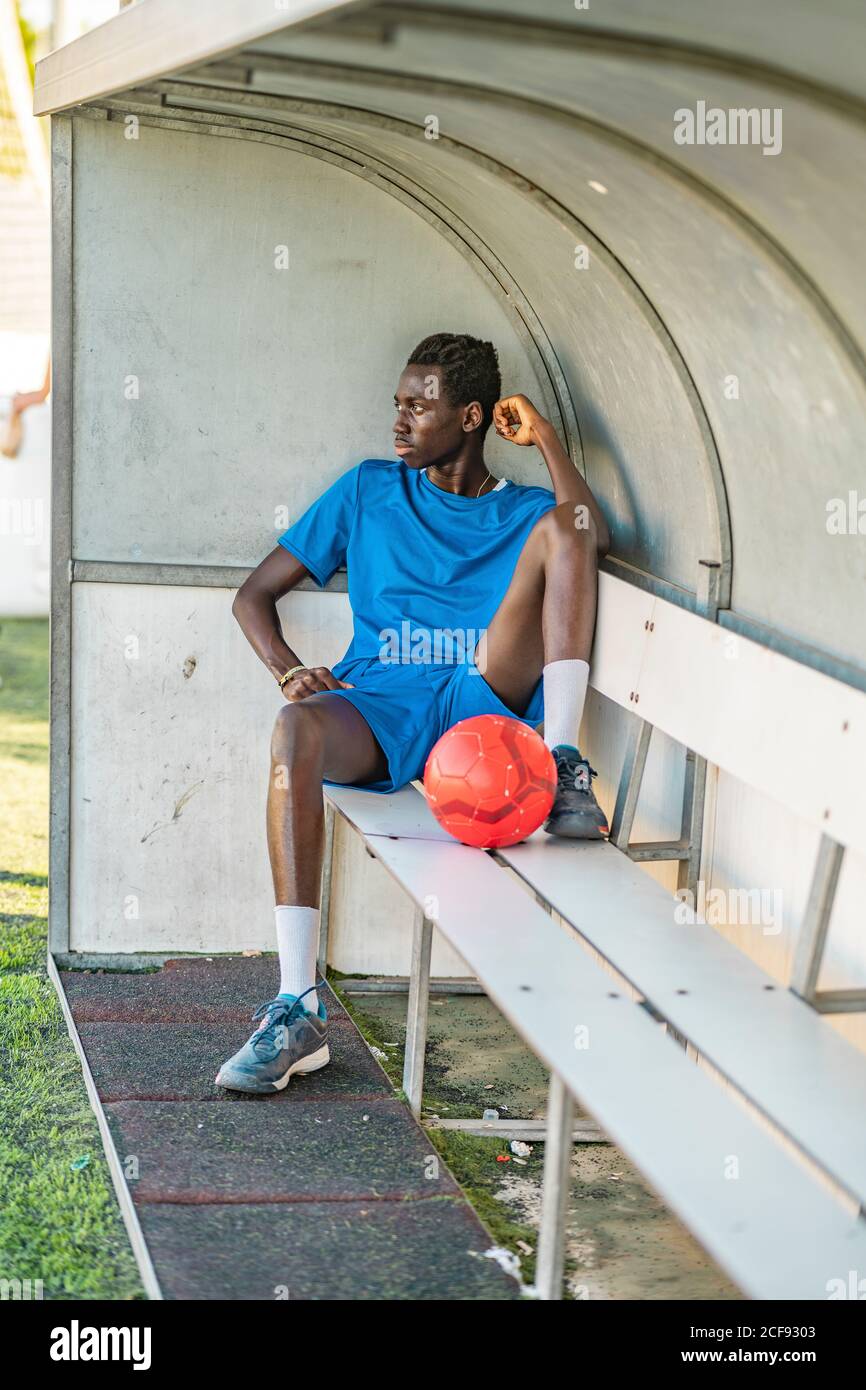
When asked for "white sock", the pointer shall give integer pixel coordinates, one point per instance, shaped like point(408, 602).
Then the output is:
point(564, 691)
point(298, 945)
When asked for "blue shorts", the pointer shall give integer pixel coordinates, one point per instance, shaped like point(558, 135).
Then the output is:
point(409, 707)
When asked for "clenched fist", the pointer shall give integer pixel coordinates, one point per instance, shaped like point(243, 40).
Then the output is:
point(516, 419)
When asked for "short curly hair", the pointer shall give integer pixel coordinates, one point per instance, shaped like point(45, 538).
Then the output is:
point(470, 370)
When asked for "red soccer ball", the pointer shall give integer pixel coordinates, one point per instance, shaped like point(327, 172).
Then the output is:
point(490, 781)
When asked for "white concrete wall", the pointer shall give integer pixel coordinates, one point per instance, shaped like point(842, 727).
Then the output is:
point(171, 721)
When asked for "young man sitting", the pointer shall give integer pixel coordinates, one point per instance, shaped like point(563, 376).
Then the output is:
point(435, 548)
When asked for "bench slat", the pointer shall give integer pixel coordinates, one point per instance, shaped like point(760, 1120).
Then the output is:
point(780, 1053)
point(678, 1126)
point(738, 704)
point(404, 813)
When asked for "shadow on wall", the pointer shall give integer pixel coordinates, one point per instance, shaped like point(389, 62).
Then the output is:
point(607, 475)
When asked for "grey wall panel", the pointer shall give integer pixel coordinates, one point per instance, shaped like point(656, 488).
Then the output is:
point(635, 93)
point(256, 386)
point(171, 721)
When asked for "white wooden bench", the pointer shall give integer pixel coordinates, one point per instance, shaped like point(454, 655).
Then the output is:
point(761, 1148)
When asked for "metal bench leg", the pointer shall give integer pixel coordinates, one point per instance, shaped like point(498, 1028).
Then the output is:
point(416, 1019)
point(325, 898)
point(809, 952)
point(637, 747)
point(554, 1195)
point(687, 849)
point(692, 832)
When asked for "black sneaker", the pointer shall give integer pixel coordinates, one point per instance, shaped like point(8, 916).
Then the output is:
point(575, 814)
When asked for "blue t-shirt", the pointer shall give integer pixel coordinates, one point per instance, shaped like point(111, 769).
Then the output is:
point(426, 569)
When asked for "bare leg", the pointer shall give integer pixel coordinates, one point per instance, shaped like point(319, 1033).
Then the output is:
point(321, 736)
point(548, 612)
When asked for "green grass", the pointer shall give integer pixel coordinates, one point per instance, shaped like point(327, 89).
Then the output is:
point(59, 1220)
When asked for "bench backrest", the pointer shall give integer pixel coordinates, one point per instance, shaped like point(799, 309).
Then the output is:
point(787, 730)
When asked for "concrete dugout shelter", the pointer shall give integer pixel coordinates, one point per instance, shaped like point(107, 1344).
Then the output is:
point(258, 210)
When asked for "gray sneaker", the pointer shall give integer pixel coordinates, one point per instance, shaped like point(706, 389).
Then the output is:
point(289, 1039)
point(575, 814)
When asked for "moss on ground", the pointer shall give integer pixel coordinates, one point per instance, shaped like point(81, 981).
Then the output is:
point(479, 1164)
point(389, 1049)
point(59, 1220)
